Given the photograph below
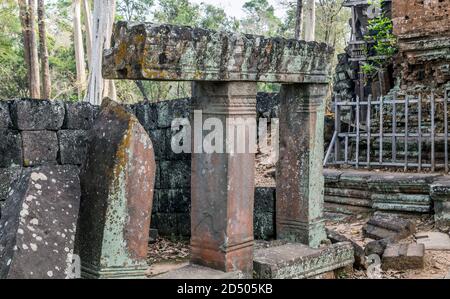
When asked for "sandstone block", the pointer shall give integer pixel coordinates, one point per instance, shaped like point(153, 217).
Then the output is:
point(29, 114)
point(72, 146)
point(10, 148)
point(39, 147)
point(38, 226)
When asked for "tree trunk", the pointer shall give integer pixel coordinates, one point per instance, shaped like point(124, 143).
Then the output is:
point(46, 85)
point(27, 13)
point(299, 20)
point(310, 20)
point(35, 87)
point(79, 50)
point(24, 20)
point(88, 28)
point(103, 17)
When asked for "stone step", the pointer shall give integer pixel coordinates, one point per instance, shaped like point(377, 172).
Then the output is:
point(357, 202)
point(297, 261)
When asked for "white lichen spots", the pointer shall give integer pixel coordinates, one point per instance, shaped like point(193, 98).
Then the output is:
point(66, 249)
point(33, 246)
point(30, 228)
point(58, 233)
point(20, 231)
point(38, 186)
point(8, 262)
point(15, 248)
point(30, 198)
point(38, 176)
point(53, 181)
point(24, 246)
point(63, 235)
point(50, 273)
point(38, 238)
point(70, 206)
point(23, 213)
point(34, 221)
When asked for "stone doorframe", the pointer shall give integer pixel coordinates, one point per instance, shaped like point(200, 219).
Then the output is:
point(225, 68)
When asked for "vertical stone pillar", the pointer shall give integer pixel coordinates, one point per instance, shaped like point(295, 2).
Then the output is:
point(222, 184)
point(300, 183)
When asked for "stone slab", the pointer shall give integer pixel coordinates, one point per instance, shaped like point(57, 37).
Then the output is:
point(403, 257)
point(37, 228)
point(193, 271)
point(31, 114)
point(296, 261)
point(354, 180)
point(149, 51)
point(117, 183)
point(345, 209)
point(39, 147)
point(434, 240)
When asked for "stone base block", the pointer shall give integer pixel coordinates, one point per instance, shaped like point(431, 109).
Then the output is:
point(414, 203)
point(199, 272)
point(401, 183)
point(403, 257)
point(297, 261)
point(91, 272)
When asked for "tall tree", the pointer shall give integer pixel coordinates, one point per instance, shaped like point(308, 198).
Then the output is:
point(260, 18)
point(310, 20)
point(103, 17)
point(134, 10)
point(27, 16)
point(43, 52)
point(79, 48)
point(88, 27)
point(299, 20)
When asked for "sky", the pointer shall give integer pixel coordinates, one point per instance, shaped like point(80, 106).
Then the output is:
point(234, 7)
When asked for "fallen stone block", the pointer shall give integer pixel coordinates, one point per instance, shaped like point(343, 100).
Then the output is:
point(377, 247)
point(384, 226)
point(39, 147)
point(10, 148)
point(434, 240)
point(72, 146)
point(117, 183)
point(193, 271)
point(359, 255)
point(294, 261)
point(79, 116)
point(30, 114)
point(403, 257)
point(38, 225)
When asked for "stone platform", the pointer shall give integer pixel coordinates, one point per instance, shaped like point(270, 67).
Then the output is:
point(199, 272)
point(297, 261)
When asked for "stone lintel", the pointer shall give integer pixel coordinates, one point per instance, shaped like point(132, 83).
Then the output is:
point(297, 261)
point(149, 51)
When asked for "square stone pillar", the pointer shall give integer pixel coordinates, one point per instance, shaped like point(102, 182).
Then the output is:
point(222, 184)
point(300, 183)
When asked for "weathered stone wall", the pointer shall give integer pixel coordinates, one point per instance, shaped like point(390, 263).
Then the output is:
point(423, 31)
point(35, 132)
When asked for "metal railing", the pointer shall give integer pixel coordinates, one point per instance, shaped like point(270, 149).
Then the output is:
point(400, 131)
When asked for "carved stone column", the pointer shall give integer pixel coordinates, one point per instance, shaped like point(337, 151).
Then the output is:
point(300, 183)
point(222, 184)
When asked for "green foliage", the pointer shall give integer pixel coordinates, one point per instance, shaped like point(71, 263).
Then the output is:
point(382, 43)
point(260, 18)
point(131, 10)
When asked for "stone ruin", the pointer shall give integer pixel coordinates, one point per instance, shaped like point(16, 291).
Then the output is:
point(117, 177)
point(209, 196)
